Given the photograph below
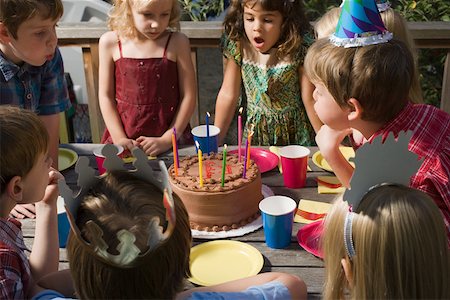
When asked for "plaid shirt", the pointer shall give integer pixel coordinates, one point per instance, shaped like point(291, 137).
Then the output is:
point(14, 266)
point(41, 89)
point(431, 141)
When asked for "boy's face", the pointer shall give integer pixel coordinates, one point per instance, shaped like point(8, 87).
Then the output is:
point(152, 20)
point(35, 43)
point(327, 109)
point(36, 181)
point(263, 28)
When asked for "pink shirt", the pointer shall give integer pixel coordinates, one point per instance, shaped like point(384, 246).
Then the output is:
point(431, 141)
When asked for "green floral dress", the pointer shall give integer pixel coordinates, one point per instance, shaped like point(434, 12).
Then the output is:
point(272, 90)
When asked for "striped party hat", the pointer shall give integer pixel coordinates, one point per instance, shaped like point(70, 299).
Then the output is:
point(359, 25)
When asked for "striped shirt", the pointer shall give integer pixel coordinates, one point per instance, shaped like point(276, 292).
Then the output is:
point(41, 89)
point(14, 266)
point(431, 141)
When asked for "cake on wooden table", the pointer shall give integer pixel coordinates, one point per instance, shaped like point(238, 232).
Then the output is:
point(212, 207)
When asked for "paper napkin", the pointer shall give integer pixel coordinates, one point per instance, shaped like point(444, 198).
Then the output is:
point(329, 185)
point(310, 211)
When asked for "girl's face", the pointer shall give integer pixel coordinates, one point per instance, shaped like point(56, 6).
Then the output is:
point(153, 19)
point(263, 28)
point(327, 109)
point(36, 41)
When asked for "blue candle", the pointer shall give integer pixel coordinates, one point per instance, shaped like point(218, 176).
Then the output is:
point(207, 132)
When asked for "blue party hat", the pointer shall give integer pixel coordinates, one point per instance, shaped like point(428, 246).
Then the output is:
point(360, 24)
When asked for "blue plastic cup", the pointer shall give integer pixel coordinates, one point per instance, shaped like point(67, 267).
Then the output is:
point(200, 136)
point(63, 223)
point(277, 217)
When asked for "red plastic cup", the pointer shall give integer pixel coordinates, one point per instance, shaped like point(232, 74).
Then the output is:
point(100, 158)
point(294, 161)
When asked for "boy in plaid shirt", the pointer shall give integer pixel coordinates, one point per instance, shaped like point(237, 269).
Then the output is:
point(26, 176)
point(31, 67)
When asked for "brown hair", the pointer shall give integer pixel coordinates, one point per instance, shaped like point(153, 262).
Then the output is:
point(23, 137)
point(400, 242)
point(378, 76)
point(394, 22)
point(121, 18)
point(295, 23)
point(121, 201)
point(14, 12)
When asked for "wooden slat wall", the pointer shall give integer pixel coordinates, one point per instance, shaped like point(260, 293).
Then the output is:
point(429, 35)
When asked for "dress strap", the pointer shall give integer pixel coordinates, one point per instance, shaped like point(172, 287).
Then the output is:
point(167, 44)
point(120, 46)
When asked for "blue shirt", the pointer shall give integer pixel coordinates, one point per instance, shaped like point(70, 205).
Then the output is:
point(273, 290)
point(42, 89)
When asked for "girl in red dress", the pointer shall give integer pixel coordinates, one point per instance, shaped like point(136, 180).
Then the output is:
point(146, 76)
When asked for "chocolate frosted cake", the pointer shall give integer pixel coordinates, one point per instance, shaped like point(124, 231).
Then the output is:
point(213, 207)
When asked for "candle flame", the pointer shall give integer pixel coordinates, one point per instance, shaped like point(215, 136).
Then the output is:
point(240, 110)
point(197, 144)
point(207, 113)
point(225, 146)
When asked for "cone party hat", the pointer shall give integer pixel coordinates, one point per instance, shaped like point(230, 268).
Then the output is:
point(360, 24)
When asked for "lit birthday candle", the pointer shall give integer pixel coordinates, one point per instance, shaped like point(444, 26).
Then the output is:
point(207, 132)
point(176, 146)
point(249, 140)
point(200, 164)
point(245, 160)
point(239, 133)
point(224, 163)
point(175, 154)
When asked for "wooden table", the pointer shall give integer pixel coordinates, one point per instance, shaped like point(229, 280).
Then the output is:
point(293, 259)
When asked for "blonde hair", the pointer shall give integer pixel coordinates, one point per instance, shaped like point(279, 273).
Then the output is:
point(378, 76)
point(400, 243)
point(121, 201)
point(23, 137)
point(121, 18)
point(394, 22)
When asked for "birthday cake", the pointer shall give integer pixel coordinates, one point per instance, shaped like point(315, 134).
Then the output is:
point(212, 207)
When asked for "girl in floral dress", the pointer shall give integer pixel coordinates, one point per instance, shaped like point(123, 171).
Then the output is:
point(265, 42)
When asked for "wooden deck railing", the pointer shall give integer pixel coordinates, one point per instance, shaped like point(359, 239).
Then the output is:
point(206, 34)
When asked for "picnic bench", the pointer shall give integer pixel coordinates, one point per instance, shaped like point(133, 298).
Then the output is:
point(428, 35)
point(293, 259)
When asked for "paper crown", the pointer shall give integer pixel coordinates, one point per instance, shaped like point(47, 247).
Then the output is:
point(129, 254)
point(377, 163)
point(359, 25)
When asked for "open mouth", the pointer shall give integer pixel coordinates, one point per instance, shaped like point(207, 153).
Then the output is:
point(259, 41)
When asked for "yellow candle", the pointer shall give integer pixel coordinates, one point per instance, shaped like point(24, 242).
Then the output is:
point(200, 164)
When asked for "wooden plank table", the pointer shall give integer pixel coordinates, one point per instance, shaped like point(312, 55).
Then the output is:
point(293, 259)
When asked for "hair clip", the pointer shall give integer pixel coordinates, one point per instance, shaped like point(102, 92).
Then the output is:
point(348, 238)
point(129, 253)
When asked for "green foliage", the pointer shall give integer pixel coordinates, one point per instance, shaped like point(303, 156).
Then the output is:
point(200, 10)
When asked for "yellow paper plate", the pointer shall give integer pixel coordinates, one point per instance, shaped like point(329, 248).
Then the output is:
point(66, 158)
point(319, 161)
point(221, 261)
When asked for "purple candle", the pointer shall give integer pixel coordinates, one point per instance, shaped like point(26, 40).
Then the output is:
point(245, 160)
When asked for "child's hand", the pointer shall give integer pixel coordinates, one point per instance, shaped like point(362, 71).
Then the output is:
point(127, 144)
point(51, 192)
point(22, 211)
point(329, 139)
point(153, 145)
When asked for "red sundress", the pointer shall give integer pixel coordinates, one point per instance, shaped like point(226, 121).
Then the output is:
point(147, 96)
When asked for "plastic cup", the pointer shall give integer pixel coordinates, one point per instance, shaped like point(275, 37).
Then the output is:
point(294, 162)
point(277, 216)
point(63, 223)
point(99, 158)
point(200, 136)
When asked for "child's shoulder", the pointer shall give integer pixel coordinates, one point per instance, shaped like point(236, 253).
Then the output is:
point(179, 38)
point(109, 37)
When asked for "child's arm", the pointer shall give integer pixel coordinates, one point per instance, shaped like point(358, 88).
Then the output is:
point(44, 257)
point(106, 91)
point(296, 286)
point(307, 89)
point(188, 93)
point(329, 140)
point(227, 97)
